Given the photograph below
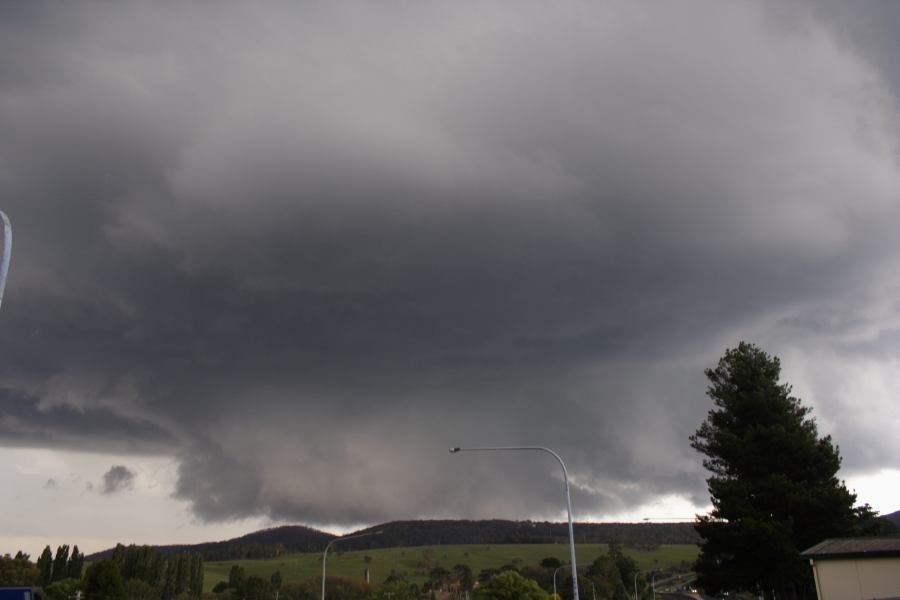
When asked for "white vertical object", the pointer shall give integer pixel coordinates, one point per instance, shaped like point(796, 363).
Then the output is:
point(7, 251)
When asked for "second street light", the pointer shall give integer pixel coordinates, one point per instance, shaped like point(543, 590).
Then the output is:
point(325, 554)
point(555, 571)
point(568, 496)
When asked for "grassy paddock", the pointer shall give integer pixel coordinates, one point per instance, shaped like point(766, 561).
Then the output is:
point(411, 560)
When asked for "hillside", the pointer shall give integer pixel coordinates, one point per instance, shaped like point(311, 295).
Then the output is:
point(496, 531)
point(266, 543)
point(269, 543)
point(894, 518)
point(414, 563)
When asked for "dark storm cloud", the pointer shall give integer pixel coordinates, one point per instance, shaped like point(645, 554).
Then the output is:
point(305, 249)
point(119, 478)
point(23, 422)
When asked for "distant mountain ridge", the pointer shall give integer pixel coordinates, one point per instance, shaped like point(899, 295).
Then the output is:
point(894, 518)
point(268, 543)
point(265, 543)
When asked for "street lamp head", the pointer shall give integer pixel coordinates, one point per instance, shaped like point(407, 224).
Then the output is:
point(454, 450)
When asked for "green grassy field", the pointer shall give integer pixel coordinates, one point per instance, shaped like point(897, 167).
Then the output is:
point(303, 566)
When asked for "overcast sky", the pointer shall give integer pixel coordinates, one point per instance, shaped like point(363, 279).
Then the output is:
point(271, 259)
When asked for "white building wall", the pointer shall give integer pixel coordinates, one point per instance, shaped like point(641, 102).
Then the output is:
point(857, 579)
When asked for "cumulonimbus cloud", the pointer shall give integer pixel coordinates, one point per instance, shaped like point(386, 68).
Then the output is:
point(305, 249)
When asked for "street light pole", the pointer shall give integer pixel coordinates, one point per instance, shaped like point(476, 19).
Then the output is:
point(7, 252)
point(636, 573)
point(568, 497)
point(554, 579)
point(325, 554)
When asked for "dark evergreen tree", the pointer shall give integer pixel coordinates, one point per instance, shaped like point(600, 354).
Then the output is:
point(774, 485)
point(604, 574)
point(197, 574)
point(463, 575)
point(136, 589)
point(103, 581)
point(45, 567)
point(168, 584)
point(156, 575)
point(626, 565)
point(236, 576)
point(181, 573)
point(76, 564)
point(61, 563)
point(551, 562)
point(255, 588)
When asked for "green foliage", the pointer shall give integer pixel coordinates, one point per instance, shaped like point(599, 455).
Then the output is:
point(18, 571)
point(463, 575)
point(136, 589)
point(254, 588)
point(307, 590)
point(103, 581)
point(45, 567)
point(773, 485)
point(61, 563)
point(485, 574)
point(236, 576)
point(220, 587)
point(397, 589)
point(438, 578)
point(275, 579)
point(64, 589)
point(606, 577)
point(303, 567)
point(347, 589)
point(170, 574)
point(76, 564)
point(509, 585)
point(867, 523)
point(551, 562)
point(626, 566)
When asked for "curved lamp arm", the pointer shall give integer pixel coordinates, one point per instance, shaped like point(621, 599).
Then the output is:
point(327, 546)
point(568, 496)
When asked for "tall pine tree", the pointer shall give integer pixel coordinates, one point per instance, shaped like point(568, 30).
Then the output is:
point(774, 484)
point(61, 562)
point(76, 564)
point(45, 567)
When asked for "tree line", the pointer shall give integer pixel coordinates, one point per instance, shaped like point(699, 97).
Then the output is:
point(132, 572)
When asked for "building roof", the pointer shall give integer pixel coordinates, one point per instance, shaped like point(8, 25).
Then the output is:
point(854, 548)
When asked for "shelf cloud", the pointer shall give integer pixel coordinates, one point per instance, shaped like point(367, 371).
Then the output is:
point(302, 249)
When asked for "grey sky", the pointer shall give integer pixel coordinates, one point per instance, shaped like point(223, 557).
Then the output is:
point(300, 249)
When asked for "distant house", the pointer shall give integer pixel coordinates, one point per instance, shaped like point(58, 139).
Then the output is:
point(856, 569)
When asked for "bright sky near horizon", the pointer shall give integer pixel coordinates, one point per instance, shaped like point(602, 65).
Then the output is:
point(271, 260)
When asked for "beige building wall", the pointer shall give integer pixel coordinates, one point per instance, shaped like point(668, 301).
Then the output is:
point(857, 579)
